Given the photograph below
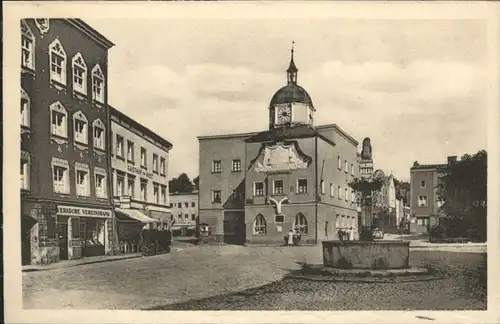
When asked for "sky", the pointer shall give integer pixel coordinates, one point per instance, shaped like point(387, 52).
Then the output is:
point(417, 88)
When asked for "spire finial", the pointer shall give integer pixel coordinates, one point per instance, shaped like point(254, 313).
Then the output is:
point(292, 69)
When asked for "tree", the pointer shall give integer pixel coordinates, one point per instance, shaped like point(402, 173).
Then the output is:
point(181, 184)
point(463, 191)
point(196, 182)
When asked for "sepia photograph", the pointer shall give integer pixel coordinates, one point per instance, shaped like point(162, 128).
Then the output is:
point(219, 162)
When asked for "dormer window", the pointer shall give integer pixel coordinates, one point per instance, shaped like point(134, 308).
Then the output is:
point(27, 47)
point(57, 57)
point(97, 84)
point(79, 74)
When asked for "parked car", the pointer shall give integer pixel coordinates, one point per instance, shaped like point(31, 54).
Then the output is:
point(378, 233)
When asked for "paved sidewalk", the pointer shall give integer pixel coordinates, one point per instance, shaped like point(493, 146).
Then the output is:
point(82, 261)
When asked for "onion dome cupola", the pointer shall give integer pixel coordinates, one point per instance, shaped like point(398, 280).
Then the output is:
point(291, 105)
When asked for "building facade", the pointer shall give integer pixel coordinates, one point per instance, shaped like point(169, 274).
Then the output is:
point(139, 161)
point(66, 211)
point(424, 202)
point(184, 208)
point(256, 187)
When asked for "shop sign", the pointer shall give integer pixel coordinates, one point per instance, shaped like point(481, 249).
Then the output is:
point(140, 172)
point(82, 212)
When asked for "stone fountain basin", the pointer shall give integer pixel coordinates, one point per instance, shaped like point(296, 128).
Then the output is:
point(379, 255)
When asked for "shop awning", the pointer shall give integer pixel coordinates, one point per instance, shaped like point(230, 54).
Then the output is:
point(136, 215)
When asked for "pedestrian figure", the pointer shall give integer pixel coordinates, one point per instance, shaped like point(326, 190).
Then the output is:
point(290, 238)
point(341, 237)
point(351, 234)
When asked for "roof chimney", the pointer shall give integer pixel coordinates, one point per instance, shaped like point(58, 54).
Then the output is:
point(452, 159)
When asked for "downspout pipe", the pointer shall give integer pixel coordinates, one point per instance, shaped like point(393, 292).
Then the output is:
point(316, 191)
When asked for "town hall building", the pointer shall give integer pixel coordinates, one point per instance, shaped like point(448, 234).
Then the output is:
point(256, 187)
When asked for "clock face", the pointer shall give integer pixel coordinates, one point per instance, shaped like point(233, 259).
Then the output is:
point(284, 114)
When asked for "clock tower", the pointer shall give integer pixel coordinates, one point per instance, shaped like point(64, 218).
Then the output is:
point(291, 105)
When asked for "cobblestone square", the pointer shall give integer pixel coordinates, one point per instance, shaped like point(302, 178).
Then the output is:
point(250, 278)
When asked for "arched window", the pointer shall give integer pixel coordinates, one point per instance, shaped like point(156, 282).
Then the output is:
point(259, 225)
point(25, 109)
point(79, 74)
point(99, 134)
point(80, 128)
point(27, 46)
point(97, 84)
point(300, 224)
point(57, 62)
point(59, 120)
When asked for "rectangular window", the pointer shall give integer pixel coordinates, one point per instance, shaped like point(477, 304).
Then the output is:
point(59, 124)
point(130, 151)
point(130, 186)
point(156, 193)
point(323, 187)
point(144, 190)
point(25, 176)
point(25, 120)
point(353, 196)
point(422, 221)
point(155, 163)
point(302, 186)
point(279, 219)
point(99, 138)
point(27, 52)
point(97, 88)
point(57, 67)
point(236, 165)
point(339, 162)
point(120, 185)
point(82, 183)
point(179, 205)
point(422, 201)
point(163, 194)
point(352, 169)
point(193, 204)
point(179, 216)
point(186, 216)
point(332, 190)
point(61, 179)
point(193, 217)
point(80, 131)
point(258, 189)
point(144, 159)
point(346, 194)
point(346, 165)
point(162, 166)
point(216, 196)
point(186, 204)
point(216, 166)
point(119, 146)
point(339, 192)
point(337, 221)
point(422, 184)
point(100, 186)
point(278, 187)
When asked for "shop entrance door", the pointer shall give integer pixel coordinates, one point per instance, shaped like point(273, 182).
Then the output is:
point(62, 232)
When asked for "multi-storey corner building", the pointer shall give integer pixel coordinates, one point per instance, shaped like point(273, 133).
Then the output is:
point(139, 161)
point(66, 209)
point(184, 208)
point(424, 202)
point(255, 187)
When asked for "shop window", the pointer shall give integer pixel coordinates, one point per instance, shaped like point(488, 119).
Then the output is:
point(75, 227)
point(300, 224)
point(51, 227)
point(259, 225)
